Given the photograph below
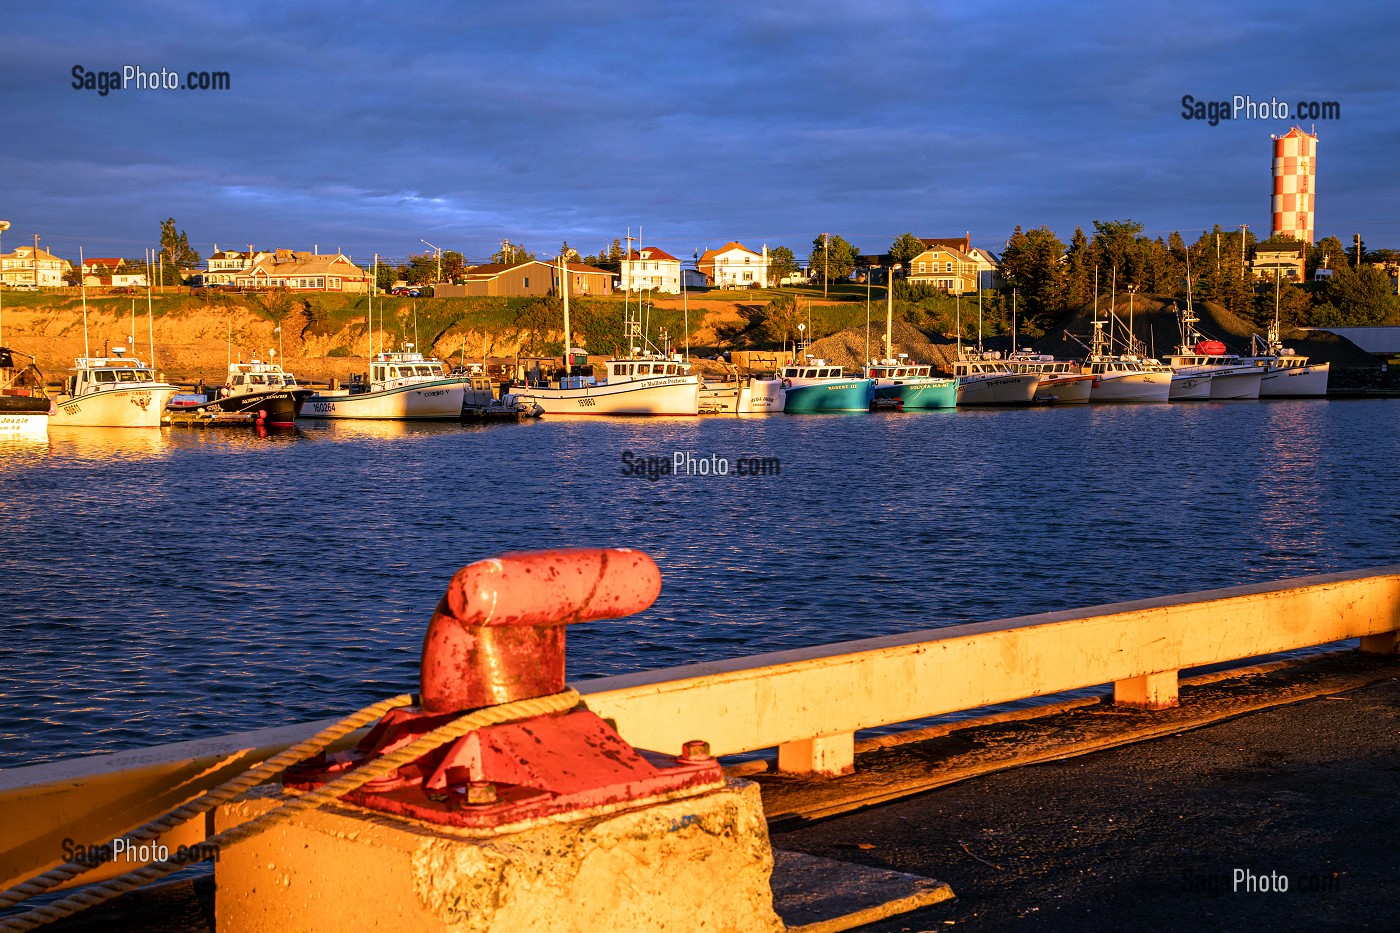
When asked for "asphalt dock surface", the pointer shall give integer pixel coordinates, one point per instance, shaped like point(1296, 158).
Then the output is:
point(1194, 831)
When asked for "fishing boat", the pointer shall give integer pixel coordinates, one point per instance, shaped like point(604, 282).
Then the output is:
point(1061, 382)
point(647, 381)
point(115, 391)
point(913, 385)
point(1286, 374)
point(983, 377)
point(905, 384)
point(402, 385)
point(816, 386)
point(25, 405)
point(1124, 377)
point(751, 395)
point(254, 393)
point(1196, 355)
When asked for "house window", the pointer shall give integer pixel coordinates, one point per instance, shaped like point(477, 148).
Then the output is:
point(527, 281)
point(947, 267)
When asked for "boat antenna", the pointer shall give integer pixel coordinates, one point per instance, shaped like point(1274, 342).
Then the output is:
point(1013, 319)
point(369, 324)
point(979, 319)
point(867, 317)
point(889, 312)
point(82, 285)
point(685, 309)
point(381, 311)
point(957, 305)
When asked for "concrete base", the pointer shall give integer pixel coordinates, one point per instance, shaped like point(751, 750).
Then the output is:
point(700, 863)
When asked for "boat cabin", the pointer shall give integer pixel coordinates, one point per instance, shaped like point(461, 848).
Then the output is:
point(897, 371)
point(257, 376)
point(104, 373)
point(623, 370)
point(390, 370)
point(812, 369)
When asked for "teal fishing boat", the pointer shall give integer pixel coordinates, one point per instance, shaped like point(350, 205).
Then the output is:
point(818, 386)
point(913, 385)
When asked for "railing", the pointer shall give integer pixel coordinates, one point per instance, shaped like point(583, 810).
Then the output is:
point(808, 702)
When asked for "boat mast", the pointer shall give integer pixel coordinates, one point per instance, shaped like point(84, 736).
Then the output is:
point(957, 304)
point(564, 289)
point(889, 316)
point(82, 283)
point(150, 314)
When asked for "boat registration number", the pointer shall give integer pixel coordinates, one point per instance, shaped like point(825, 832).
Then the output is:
point(324, 408)
point(587, 403)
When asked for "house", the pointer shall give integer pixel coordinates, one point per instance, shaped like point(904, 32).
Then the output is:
point(99, 267)
point(303, 272)
point(988, 269)
point(945, 267)
point(734, 266)
point(692, 279)
point(651, 269)
point(27, 267)
point(1279, 261)
point(528, 278)
point(226, 264)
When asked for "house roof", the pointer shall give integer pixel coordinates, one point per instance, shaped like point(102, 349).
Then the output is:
point(288, 262)
point(956, 253)
point(710, 254)
point(102, 261)
point(963, 244)
point(650, 253)
point(491, 270)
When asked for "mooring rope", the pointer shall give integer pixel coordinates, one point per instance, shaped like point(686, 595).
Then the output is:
point(369, 771)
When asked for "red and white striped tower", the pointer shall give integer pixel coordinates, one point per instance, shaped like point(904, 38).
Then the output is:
point(1295, 184)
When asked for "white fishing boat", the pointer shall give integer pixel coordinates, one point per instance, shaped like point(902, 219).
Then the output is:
point(984, 378)
point(752, 395)
point(642, 383)
point(1128, 377)
point(1230, 376)
point(401, 386)
point(1286, 374)
point(1061, 382)
point(25, 405)
point(112, 392)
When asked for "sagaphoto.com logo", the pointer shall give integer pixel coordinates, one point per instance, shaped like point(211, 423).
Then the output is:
point(1245, 107)
point(134, 77)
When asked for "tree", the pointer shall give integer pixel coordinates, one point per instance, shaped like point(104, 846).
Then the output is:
point(781, 318)
point(175, 245)
point(1115, 247)
point(1034, 264)
point(568, 252)
point(904, 248)
point(512, 254)
point(385, 278)
point(421, 269)
point(781, 264)
point(832, 258)
point(453, 263)
point(1079, 268)
point(1356, 298)
point(1356, 253)
point(1327, 254)
point(1294, 304)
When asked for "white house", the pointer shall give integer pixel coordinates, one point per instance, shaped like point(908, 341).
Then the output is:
point(735, 266)
point(651, 269)
point(226, 264)
point(27, 269)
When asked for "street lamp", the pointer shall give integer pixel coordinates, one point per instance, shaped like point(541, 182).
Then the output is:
point(439, 256)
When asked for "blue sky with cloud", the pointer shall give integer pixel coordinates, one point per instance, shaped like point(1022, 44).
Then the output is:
point(368, 127)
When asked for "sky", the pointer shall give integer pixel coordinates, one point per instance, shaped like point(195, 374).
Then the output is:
point(375, 127)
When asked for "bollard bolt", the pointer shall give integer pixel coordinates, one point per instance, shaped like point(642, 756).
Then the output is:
point(480, 793)
point(695, 750)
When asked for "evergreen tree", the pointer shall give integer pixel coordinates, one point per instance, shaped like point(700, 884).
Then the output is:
point(1034, 264)
point(832, 259)
point(1079, 266)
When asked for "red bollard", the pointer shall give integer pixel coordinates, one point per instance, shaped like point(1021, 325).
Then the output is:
point(497, 636)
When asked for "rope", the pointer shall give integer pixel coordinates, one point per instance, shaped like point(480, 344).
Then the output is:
point(369, 771)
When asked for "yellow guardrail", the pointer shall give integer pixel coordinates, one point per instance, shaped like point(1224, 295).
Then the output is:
point(807, 702)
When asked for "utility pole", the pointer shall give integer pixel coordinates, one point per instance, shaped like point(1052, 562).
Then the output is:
point(826, 261)
point(1358, 250)
point(36, 259)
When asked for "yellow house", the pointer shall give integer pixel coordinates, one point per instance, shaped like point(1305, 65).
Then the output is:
point(946, 268)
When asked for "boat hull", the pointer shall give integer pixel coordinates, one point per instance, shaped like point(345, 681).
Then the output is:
point(421, 401)
point(663, 395)
point(831, 396)
point(24, 416)
point(753, 397)
point(278, 409)
point(1132, 388)
point(1064, 390)
point(1000, 389)
point(1187, 388)
point(1236, 385)
point(1295, 382)
point(917, 394)
point(115, 408)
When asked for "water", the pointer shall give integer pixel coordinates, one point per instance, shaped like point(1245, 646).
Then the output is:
point(160, 586)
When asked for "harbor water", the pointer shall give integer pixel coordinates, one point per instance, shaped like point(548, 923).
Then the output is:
point(162, 585)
